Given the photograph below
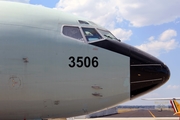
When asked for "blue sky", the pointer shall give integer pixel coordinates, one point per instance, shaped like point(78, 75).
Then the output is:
point(153, 26)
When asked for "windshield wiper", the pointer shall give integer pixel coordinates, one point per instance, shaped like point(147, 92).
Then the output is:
point(112, 38)
point(108, 36)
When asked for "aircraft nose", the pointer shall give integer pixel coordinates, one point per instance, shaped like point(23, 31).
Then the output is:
point(147, 72)
point(145, 78)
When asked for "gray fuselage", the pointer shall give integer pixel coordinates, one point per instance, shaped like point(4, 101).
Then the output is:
point(47, 73)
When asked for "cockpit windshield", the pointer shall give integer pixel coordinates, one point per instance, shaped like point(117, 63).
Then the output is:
point(91, 34)
point(107, 34)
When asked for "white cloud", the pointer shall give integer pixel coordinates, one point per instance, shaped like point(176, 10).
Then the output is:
point(23, 1)
point(168, 34)
point(122, 34)
point(149, 12)
point(98, 11)
point(164, 43)
point(173, 87)
point(110, 12)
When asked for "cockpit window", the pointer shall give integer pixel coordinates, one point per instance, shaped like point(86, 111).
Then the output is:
point(73, 32)
point(91, 34)
point(107, 34)
point(83, 22)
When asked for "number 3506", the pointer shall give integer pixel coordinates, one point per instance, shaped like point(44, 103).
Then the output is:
point(83, 61)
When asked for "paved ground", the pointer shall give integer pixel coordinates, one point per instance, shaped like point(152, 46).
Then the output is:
point(135, 118)
point(144, 113)
point(136, 115)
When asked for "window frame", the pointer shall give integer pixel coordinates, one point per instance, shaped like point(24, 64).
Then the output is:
point(84, 39)
point(96, 31)
point(82, 33)
point(106, 31)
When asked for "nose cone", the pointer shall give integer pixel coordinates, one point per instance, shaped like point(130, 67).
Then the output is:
point(147, 73)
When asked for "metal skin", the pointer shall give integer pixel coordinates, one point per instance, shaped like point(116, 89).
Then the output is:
point(36, 80)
